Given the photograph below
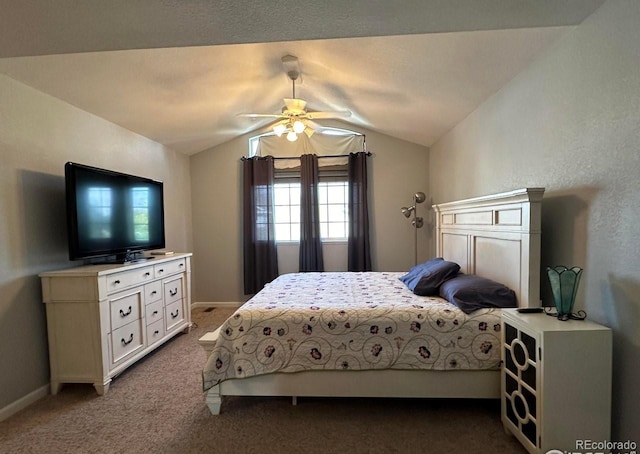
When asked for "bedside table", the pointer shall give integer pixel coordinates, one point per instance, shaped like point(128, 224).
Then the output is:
point(555, 381)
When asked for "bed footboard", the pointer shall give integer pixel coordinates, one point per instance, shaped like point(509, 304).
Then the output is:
point(214, 400)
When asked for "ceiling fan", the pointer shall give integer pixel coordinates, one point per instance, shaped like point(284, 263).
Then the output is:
point(295, 118)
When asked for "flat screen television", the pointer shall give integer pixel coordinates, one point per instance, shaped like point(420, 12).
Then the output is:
point(112, 215)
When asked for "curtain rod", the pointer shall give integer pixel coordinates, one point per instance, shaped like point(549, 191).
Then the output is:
point(275, 158)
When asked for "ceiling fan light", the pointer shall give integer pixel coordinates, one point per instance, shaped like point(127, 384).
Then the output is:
point(292, 136)
point(279, 129)
point(298, 126)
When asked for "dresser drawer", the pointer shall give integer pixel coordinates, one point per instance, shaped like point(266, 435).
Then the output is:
point(119, 281)
point(172, 289)
point(155, 332)
point(152, 292)
point(125, 308)
point(168, 268)
point(153, 312)
point(126, 340)
point(174, 315)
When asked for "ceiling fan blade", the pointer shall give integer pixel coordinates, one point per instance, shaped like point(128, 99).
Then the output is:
point(312, 124)
point(322, 115)
point(253, 115)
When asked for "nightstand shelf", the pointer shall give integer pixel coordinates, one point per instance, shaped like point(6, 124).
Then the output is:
point(556, 381)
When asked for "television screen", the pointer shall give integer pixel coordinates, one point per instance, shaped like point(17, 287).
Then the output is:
point(111, 213)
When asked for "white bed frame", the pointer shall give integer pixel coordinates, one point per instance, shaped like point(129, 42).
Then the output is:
point(495, 236)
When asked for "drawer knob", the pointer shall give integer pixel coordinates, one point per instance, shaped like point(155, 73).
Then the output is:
point(156, 332)
point(176, 314)
point(155, 313)
point(123, 313)
point(160, 271)
point(154, 292)
point(116, 282)
point(173, 292)
point(125, 342)
point(181, 265)
point(147, 274)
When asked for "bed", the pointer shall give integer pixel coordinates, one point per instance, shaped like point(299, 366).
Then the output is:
point(286, 340)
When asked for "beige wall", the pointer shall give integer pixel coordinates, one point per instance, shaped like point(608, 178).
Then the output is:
point(397, 169)
point(38, 134)
point(571, 123)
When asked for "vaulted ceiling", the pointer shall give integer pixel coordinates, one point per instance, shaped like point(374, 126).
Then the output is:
point(178, 72)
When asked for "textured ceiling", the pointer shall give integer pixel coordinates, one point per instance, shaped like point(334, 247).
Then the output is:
point(179, 72)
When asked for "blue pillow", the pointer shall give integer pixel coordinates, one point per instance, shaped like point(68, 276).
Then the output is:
point(471, 292)
point(425, 279)
point(417, 270)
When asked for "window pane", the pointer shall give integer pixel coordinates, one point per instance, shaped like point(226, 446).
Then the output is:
point(283, 232)
point(335, 193)
point(295, 231)
point(324, 230)
point(281, 194)
point(337, 230)
point(282, 214)
point(337, 213)
point(295, 213)
point(295, 194)
point(324, 213)
point(322, 193)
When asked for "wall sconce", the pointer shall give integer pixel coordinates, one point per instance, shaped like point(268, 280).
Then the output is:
point(417, 221)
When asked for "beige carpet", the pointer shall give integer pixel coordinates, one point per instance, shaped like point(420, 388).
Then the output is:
point(157, 406)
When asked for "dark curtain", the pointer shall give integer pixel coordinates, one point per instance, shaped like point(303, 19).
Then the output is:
point(310, 244)
point(359, 247)
point(260, 254)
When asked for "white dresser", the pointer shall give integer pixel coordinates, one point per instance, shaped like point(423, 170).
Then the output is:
point(103, 318)
point(556, 381)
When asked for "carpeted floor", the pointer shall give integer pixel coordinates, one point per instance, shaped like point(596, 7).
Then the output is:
point(157, 406)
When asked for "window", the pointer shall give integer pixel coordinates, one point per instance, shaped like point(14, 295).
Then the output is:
point(287, 211)
point(333, 196)
point(333, 201)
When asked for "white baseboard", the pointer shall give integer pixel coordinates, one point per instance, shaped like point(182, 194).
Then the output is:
point(225, 304)
point(23, 402)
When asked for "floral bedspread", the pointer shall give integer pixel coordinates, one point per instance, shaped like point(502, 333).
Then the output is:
point(350, 321)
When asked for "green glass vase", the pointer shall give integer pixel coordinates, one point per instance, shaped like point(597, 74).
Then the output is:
point(564, 285)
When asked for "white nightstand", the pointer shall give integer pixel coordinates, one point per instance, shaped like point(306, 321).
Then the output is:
point(556, 381)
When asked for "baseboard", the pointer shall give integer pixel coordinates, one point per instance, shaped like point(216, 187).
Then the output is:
point(225, 304)
point(23, 402)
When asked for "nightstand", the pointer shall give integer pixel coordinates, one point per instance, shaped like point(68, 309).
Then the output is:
point(555, 381)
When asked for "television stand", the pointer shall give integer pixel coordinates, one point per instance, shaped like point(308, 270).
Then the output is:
point(103, 318)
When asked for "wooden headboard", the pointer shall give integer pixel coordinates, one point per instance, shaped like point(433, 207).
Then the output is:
point(495, 236)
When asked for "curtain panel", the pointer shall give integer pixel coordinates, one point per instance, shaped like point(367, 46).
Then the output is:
point(359, 249)
point(260, 253)
point(310, 243)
